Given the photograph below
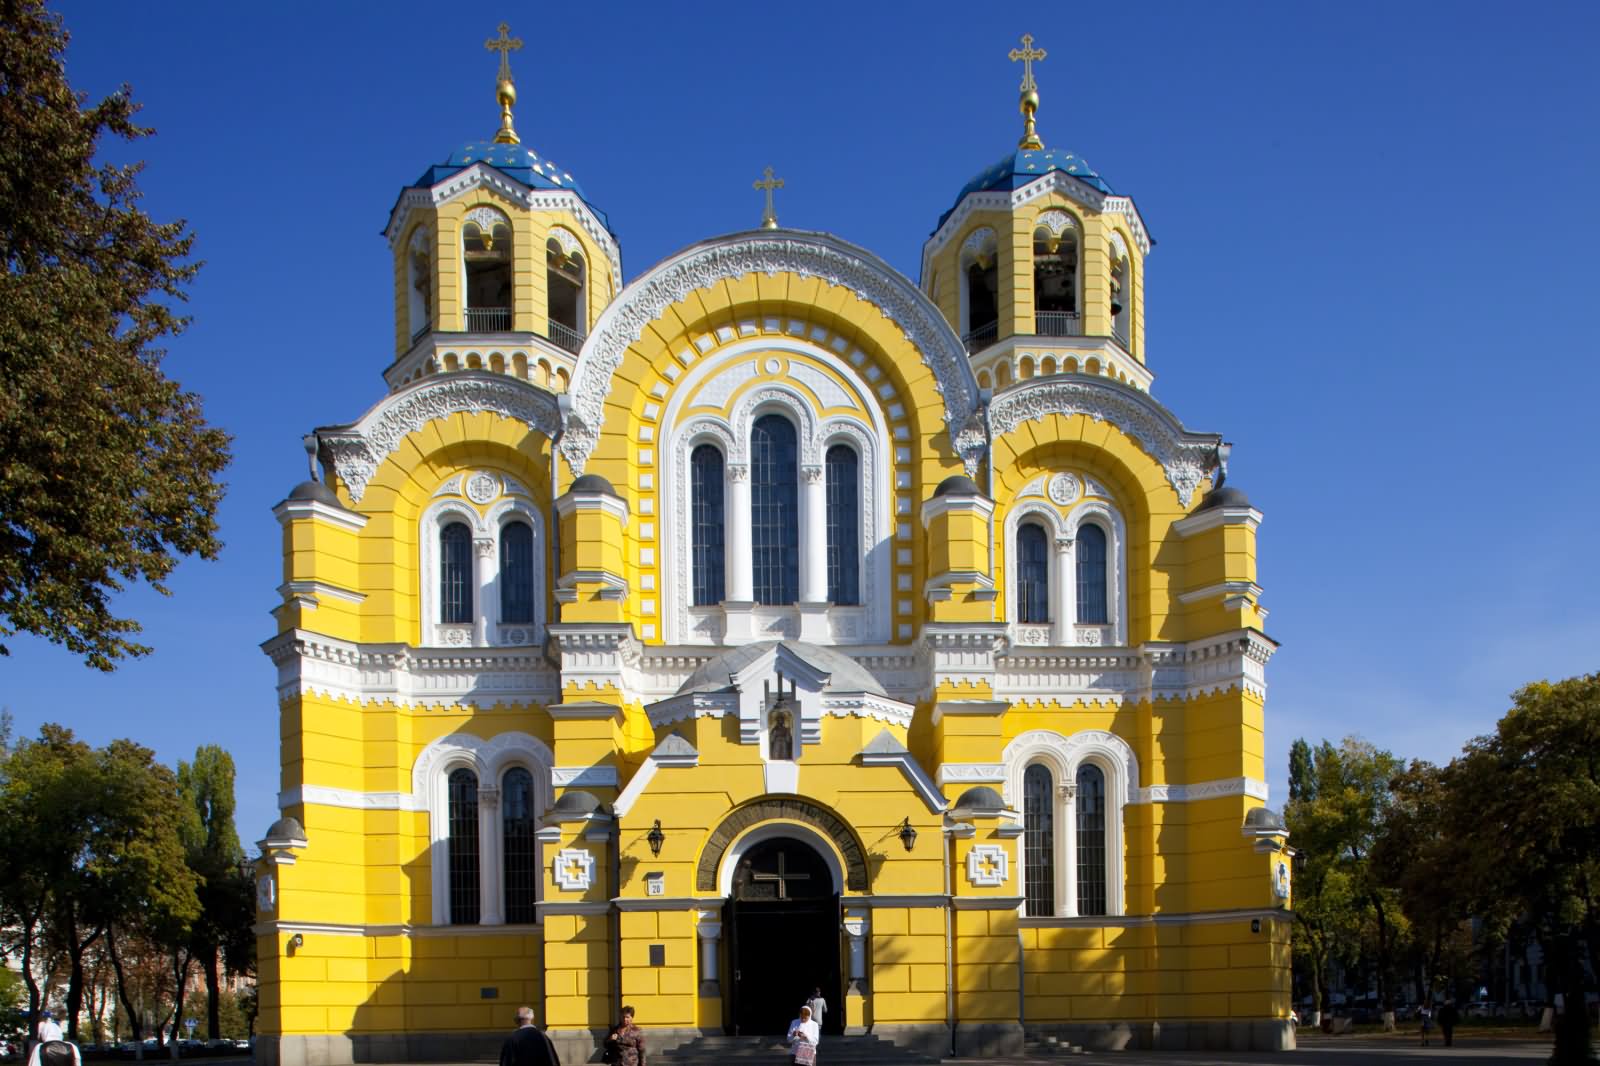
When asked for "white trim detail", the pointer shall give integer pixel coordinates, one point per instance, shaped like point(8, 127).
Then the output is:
point(915, 775)
point(972, 773)
point(827, 258)
point(289, 510)
point(1187, 458)
point(1213, 517)
point(357, 450)
point(584, 776)
point(772, 831)
point(1202, 790)
point(994, 872)
point(573, 869)
point(348, 798)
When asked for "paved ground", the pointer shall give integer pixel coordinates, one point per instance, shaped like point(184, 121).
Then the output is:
point(1338, 1051)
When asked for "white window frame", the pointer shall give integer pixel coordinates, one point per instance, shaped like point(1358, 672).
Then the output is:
point(486, 628)
point(489, 759)
point(1062, 756)
point(1061, 531)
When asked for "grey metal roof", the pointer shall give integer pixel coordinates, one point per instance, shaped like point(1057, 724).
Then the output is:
point(846, 675)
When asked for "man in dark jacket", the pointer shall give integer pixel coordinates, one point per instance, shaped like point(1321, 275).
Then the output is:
point(528, 1046)
point(1447, 1021)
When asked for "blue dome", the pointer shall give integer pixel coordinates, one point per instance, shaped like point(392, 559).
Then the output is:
point(1023, 166)
point(514, 160)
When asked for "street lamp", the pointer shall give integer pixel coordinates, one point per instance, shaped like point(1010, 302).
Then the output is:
point(908, 835)
point(656, 838)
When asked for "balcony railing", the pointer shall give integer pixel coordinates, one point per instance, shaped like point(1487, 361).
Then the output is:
point(421, 331)
point(488, 319)
point(565, 337)
point(1058, 324)
point(1120, 332)
point(980, 338)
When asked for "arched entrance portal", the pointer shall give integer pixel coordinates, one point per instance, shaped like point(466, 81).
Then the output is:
point(783, 921)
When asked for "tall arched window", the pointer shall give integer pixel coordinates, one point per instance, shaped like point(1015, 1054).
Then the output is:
point(1055, 283)
point(419, 268)
point(774, 510)
point(1091, 840)
point(455, 573)
point(1039, 845)
point(464, 899)
point(1033, 574)
point(486, 251)
point(844, 525)
point(1091, 551)
point(706, 521)
point(564, 276)
point(519, 857)
point(516, 572)
point(1119, 299)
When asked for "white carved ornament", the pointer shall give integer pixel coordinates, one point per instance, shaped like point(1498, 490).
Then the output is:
point(573, 869)
point(1063, 489)
point(482, 487)
point(988, 866)
point(357, 450)
point(487, 218)
point(829, 260)
point(569, 244)
point(979, 242)
point(1187, 458)
point(1056, 221)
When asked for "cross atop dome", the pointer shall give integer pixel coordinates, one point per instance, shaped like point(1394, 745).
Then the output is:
point(1030, 90)
point(505, 87)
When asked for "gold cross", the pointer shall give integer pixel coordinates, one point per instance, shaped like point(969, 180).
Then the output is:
point(769, 217)
point(990, 866)
point(1027, 53)
point(505, 45)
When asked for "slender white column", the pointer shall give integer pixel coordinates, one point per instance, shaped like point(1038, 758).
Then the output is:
point(813, 535)
point(710, 930)
point(1069, 838)
point(736, 530)
point(489, 875)
point(855, 927)
point(1065, 590)
point(483, 568)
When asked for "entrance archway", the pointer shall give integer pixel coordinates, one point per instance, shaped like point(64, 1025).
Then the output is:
point(784, 937)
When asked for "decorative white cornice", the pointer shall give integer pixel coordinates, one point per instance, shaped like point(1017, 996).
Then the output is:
point(1212, 517)
point(484, 176)
point(289, 510)
point(584, 776)
point(348, 798)
point(1188, 458)
point(972, 773)
point(809, 254)
point(1202, 790)
point(935, 506)
point(615, 506)
point(1232, 593)
point(356, 450)
point(309, 593)
point(311, 663)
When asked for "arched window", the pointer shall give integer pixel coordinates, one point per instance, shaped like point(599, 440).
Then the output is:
point(516, 572)
point(1091, 552)
point(521, 863)
point(464, 899)
point(455, 573)
point(486, 254)
point(983, 302)
point(419, 269)
point(1033, 574)
point(844, 525)
point(564, 277)
point(706, 521)
point(1091, 840)
point(774, 510)
point(1039, 845)
point(1119, 299)
point(1055, 283)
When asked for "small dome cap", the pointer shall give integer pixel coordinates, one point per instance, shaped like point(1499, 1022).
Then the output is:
point(957, 485)
point(317, 491)
point(1226, 496)
point(980, 799)
point(592, 483)
point(576, 803)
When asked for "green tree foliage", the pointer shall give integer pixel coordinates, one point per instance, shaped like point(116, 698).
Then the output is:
point(1527, 797)
point(227, 906)
point(110, 469)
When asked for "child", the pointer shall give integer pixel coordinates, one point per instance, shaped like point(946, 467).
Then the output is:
point(1427, 1024)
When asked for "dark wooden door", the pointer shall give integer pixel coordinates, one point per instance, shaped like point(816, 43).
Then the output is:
point(784, 938)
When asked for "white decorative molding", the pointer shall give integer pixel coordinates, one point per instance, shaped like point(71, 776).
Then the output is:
point(482, 487)
point(584, 776)
point(486, 218)
point(1212, 517)
point(348, 798)
point(981, 241)
point(573, 869)
point(988, 866)
point(1063, 489)
point(289, 510)
point(355, 451)
point(915, 775)
point(563, 237)
point(1056, 221)
point(1202, 790)
point(1187, 458)
point(972, 773)
point(834, 262)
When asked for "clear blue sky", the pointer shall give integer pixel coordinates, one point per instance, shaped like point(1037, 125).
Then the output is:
point(1375, 273)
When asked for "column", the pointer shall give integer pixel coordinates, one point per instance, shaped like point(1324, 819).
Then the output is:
point(483, 568)
point(1065, 600)
point(489, 858)
point(856, 926)
point(1069, 845)
point(736, 524)
point(709, 930)
point(813, 536)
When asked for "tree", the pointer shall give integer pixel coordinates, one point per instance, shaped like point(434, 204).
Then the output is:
point(111, 470)
point(227, 905)
point(1528, 797)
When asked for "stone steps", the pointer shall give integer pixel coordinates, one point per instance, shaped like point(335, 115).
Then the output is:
point(865, 1050)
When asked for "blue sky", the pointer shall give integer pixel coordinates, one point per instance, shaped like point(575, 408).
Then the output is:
point(1374, 273)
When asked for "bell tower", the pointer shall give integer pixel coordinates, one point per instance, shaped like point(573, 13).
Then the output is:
point(501, 263)
point(1039, 265)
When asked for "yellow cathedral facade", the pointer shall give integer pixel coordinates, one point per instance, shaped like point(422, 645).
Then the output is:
point(769, 623)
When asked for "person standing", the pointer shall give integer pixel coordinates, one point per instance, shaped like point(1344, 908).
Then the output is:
point(1447, 1022)
point(819, 1008)
point(528, 1046)
point(1427, 1022)
point(804, 1036)
point(48, 1028)
point(625, 1045)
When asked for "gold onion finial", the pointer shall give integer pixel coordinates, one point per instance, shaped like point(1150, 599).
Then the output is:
point(1030, 90)
point(769, 217)
point(505, 90)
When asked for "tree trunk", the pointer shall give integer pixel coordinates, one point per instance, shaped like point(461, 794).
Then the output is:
point(213, 994)
point(1572, 1024)
point(135, 1023)
point(182, 959)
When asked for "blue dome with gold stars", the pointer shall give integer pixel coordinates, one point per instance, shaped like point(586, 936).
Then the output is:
point(1026, 165)
point(516, 161)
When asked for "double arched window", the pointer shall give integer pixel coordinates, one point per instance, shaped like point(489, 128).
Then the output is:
point(486, 261)
point(482, 580)
point(1065, 573)
point(1055, 276)
point(980, 289)
point(564, 281)
point(1072, 791)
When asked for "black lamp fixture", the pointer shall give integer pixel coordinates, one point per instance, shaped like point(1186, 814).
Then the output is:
point(908, 835)
point(656, 838)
